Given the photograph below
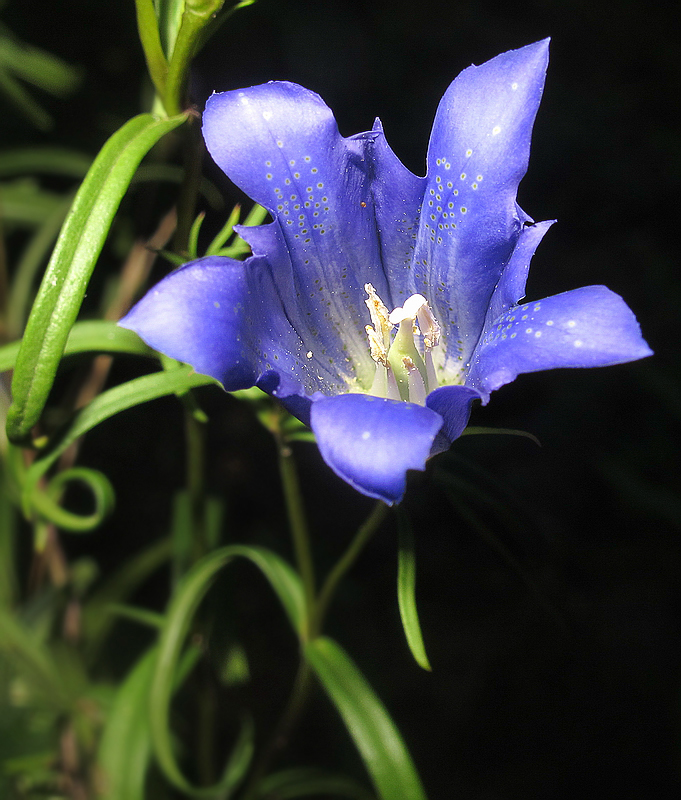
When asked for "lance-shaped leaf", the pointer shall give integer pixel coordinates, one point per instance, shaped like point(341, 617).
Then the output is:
point(375, 734)
point(80, 242)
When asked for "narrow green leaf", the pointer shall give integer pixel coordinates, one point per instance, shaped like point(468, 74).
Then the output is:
point(42, 69)
point(406, 590)
point(67, 275)
point(169, 17)
point(28, 205)
point(225, 232)
point(147, 25)
point(125, 748)
point(142, 616)
point(474, 430)
point(311, 782)
point(238, 247)
point(256, 216)
point(46, 503)
point(193, 243)
point(181, 534)
point(124, 752)
point(49, 160)
point(301, 436)
point(105, 405)
point(183, 606)
point(8, 540)
point(97, 336)
point(373, 731)
point(22, 100)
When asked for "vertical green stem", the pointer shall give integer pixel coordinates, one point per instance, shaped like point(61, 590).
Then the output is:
point(194, 20)
point(297, 524)
point(364, 533)
point(195, 439)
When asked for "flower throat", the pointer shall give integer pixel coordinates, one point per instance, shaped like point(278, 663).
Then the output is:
point(403, 372)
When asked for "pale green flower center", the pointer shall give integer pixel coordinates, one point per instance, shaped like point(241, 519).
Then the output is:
point(404, 359)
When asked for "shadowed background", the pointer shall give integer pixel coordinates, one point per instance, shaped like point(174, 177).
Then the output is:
point(549, 579)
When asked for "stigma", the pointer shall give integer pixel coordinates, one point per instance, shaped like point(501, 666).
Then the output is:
point(404, 359)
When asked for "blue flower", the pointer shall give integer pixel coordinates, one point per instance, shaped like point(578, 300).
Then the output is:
point(377, 306)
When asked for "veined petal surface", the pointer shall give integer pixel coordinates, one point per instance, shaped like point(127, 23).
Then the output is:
point(397, 195)
point(587, 327)
point(371, 442)
point(280, 144)
point(478, 153)
point(224, 317)
point(511, 287)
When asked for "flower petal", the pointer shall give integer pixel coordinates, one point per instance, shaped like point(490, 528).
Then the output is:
point(279, 143)
point(478, 153)
point(398, 195)
point(453, 404)
point(225, 318)
point(587, 327)
point(371, 442)
point(511, 287)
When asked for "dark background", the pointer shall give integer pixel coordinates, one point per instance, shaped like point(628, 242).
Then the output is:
point(549, 578)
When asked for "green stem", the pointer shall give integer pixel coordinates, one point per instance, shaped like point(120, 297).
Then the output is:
point(316, 605)
point(147, 25)
point(298, 526)
point(364, 533)
point(303, 555)
point(194, 20)
point(195, 437)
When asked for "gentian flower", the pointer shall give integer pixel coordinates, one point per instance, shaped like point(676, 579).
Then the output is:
point(377, 306)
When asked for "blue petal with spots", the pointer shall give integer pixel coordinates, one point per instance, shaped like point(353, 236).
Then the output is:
point(224, 317)
point(280, 144)
point(477, 156)
point(371, 442)
point(587, 327)
point(346, 213)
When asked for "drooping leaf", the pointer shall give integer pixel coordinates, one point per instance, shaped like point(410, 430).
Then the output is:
point(406, 590)
point(113, 401)
point(183, 606)
point(375, 734)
